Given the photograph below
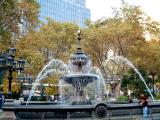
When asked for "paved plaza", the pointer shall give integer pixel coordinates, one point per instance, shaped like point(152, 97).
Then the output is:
point(10, 116)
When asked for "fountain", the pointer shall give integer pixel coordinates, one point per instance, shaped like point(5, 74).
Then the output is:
point(53, 67)
point(81, 89)
point(78, 79)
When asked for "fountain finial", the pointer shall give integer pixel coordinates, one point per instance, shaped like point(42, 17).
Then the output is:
point(79, 40)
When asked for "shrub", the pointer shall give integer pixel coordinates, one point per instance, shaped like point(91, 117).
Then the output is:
point(122, 98)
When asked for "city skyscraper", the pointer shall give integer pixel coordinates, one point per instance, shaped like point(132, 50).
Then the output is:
point(74, 11)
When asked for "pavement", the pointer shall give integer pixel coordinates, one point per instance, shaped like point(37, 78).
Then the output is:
point(7, 115)
point(136, 117)
point(11, 116)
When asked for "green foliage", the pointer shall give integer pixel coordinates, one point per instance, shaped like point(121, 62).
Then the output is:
point(131, 81)
point(122, 98)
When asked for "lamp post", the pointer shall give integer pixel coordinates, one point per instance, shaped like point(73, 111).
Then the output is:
point(8, 63)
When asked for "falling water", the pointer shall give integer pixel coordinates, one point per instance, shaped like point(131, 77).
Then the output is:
point(54, 66)
point(57, 66)
point(123, 60)
point(102, 80)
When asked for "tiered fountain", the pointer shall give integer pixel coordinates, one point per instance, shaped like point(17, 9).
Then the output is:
point(81, 89)
point(80, 82)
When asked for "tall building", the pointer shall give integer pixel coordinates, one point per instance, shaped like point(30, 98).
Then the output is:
point(74, 11)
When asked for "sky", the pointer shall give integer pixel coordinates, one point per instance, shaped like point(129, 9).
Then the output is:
point(103, 8)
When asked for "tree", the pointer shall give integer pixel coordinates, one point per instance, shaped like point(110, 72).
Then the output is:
point(13, 14)
point(131, 81)
point(59, 38)
point(53, 82)
point(119, 33)
point(125, 35)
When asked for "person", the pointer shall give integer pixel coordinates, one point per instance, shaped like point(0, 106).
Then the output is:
point(144, 102)
point(130, 99)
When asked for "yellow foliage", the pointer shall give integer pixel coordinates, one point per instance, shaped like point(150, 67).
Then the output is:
point(15, 86)
point(52, 81)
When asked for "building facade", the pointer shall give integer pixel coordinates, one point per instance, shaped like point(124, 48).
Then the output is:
point(74, 11)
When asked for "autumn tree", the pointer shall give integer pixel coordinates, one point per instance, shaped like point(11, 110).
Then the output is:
point(115, 33)
point(52, 82)
point(14, 14)
point(59, 38)
point(124, 33)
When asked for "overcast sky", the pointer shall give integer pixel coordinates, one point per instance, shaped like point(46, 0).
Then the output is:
point(102, 8)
